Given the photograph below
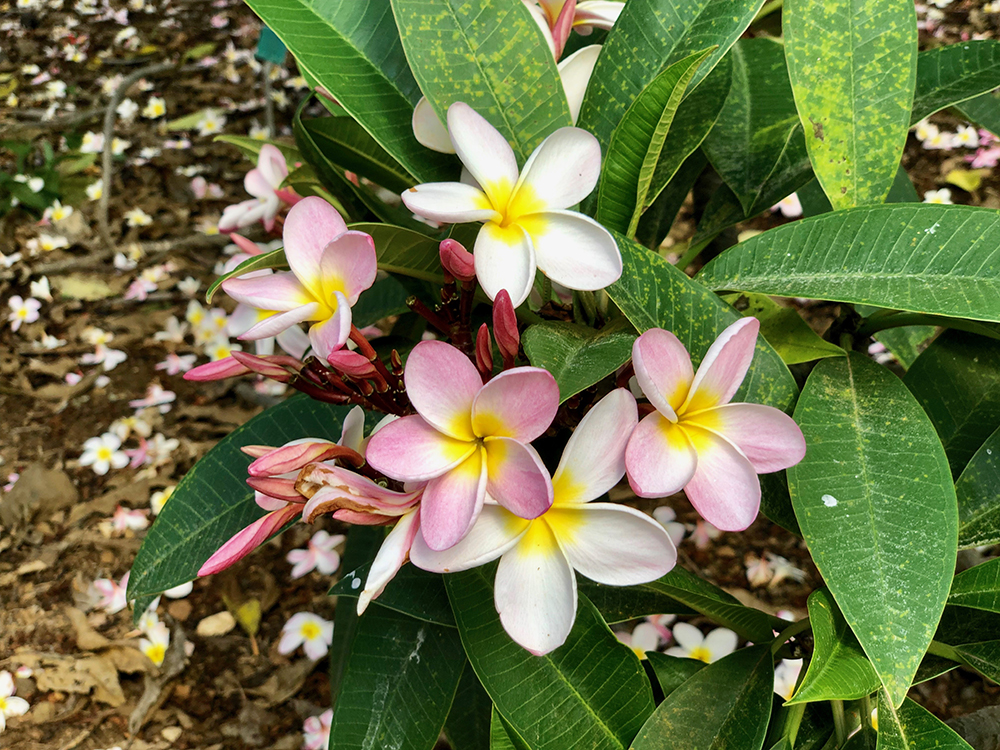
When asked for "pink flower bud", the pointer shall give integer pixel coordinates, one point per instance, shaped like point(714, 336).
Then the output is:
point(227, 367)
point(265, 366)
point(276, 487)
point(484, 352)
point(457, 261)
point(256, 451)
point(351, 364)
point(298, 454)
point(505, 327)
point(247, 246)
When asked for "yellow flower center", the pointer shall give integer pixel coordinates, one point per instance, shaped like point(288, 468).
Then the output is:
point(701, 654)
point(310, 631)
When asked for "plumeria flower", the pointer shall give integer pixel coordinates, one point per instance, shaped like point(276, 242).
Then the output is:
point(526, 224)
point(108, 358)
point(179, 592)
point(942, 197)
point(127, 110)
point(330, 267)
point(259, 132)
point(22, 311)
point(103, 453)
point(189, 286)
point(155, 646)
point(126, 519)
point(759, 571)
point(783, 570)
point(789, 206)
point(646, 636)
point(57, 212)
point(112, 594)
point(984, 157)
point(40, 288)
point(176, 364)
point(925, 129)
point(9, 704)
point(155, 107)
point(174, 331)
point(49, 242)
point(696, 440)
point(468, 440)
point(92, 143)
point(316, 731)
point(211, 123)
point(965, 137)
point(11, 481)
point(159, 498)
point(160, 448)
point(786, 677)
point(320, 554)
point(264, 184)
point(156, 396)
point(308, 630)
point(136, 217)
point(127, 425)
point(49, 342)
point(535, 590)
point(220, 348)
point(119, 146)
point(939, 141)
point(691, 644)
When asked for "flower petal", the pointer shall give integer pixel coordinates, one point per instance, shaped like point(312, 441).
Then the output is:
point(543, 24)
point(428, 129)
point(275, 324)
point(575, 72)
point(660, 458)
point(484, 152)
point(349, 265)
point(449, 202)
point(573, 249)
point(412, 450)
point(724, 489)
point(535, 591)
point(452, 502)
point(613, 544)
point(593, 460)
point(517, 478)
point(600, 14)
point(494, 532)
point(390, 558)
point(331, 334)
point(505, 259)
point(352, 433)
point(276, 291)
point(663, 370)
point(309, 227)
point(442, 384)
point(519, 403)
point(560, 173)
point(246, 541)
point(768, 437)
point(724, 366)
point(688, 636)
point(294, 340)
point(720, 642)
point(271, 163)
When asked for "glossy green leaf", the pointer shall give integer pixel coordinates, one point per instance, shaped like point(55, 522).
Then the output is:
point(874, 486)
point(250, 147)
point(636, 145)
point(622, 603)
point(784, 329)
point(957, 382)
point(672, 671)
point(978, 587)
point(852, 65)
point(412, 592)
point(385, 297)
point(924, 258)
point(274, 259)
point(398, 684)
point(984, 110)
point(345, 143)
point(814, 200)
point(838, 668)
point(468, 724)
point(352, 49)
point(656, 222)
point(597, 682)
point(933, 666)
point(983, 657)
point(652, 293)
point(978, 490)
point(964, 625)
point(954, 73)
point(502, 735)
point(648, 36)
point(913, 727)
point(725, 705)
point(212, 502)
point(578, 356)
point(404, 251)
point(493, 57)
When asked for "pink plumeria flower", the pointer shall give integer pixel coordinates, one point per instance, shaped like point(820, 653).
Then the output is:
point(468, 439)
point(9, 705)
point(156, 396)
point(320, 554)
point(330, 267)
point(176, 364)
point(308, 630)
point(112, 594)
point(696, 440)
point(704, 534)
point(103, 453)
point(126, 519)
point(105, 356)
point(984, 157)
point(22, 311)
point(535, 590)
point(526, 224)
point(264, 184)
point(588, 15)
point(786, 677)
point(691, 644)
point(11, 481)
point(316, 731)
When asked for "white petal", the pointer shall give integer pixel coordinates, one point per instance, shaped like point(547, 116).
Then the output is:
point(505, 259)
point(495, 532)
point(575, 72)
point(720, 642)
point(390, 558)
point(574, 250)
point(560, 173)
point(449, 202)
point(429, 130)
point(645, 637)
point(483, 151)
point(688, 636)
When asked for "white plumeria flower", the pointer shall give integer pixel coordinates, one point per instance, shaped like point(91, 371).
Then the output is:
point(55, 89)
point(108, 358)
point(691, 644)
point(22, 311)
point(320, 554)
point(156, 106)
point(9, 705)
point(92, 143)
point(783, 570)
point(155, 647)
point(159, 448)
point(308, 630)
point(786, 676)
point(49, 342)
point(526, 224)
point(939, 141)
point(138, 218)
point(535, 591)
point(189, 286)
point(942, 196)
point(95, 190)
point(220, 348)
point(49, 242)
point(759, 571)
point(8, 260)
point(667, 518)
point(174, 331)
point(119, 146)
point(259, 132)
point(179, 592)
point(96, 336)
point(102, 453)
point(211, 124)
point(127, 425)
point(36, 184)
point(966, 137)
point(789, 206)
point(127, 110)
point(112, 594)
point(125, 519)
point(41, 289)
point(156, 396)
point(159, 498)
point(57, 212)
point(644, 637)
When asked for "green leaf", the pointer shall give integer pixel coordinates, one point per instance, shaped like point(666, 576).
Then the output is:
point(978, 490)
point(385, 297)
point(250, 147)
point(598, 684)
point(404, 251)
point(653, 294)
point(578, 356)
point(655, 224)
point(352, 49)
point(622, 603)
point(636, 145)
point(865, 739)
point(502, 735)
point(672, 671)
point(838, 668)
point(983, 657)
point(273, 259)
point(757, 145)
point(725, 705)
point(212, 502)
point(398, 684)
point(412, 592)
point(983, 110)
point(963, 625)
point(912, 727)
point(957, 382)
point(925, 258)
point(853, 68)
point(493, 57)
point(468, 725)
point(648, 36)
point(814, 200)
point(978, 587)
point(784, 329)
point(933, 666)
point(874, 486)
point(954, 73)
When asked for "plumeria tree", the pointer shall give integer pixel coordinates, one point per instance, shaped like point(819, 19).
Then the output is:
point(492, 185)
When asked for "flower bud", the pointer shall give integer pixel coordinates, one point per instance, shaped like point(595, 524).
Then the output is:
point(505, 327)
point(457, 261)
point(227, 367)
point(351, 364)
point(266, 366)
point(484, 352)
point(247, 246)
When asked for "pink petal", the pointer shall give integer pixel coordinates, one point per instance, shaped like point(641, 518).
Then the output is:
point(349, 264)
point(483, 151)
point(276, 291)
point(494, 532)
point(429, 130)
point(292, 457)
point(412, 450)
point(613, 544)
point(560, 173)
point(724, 489)
point(275, 324)
point(517, 478)
point(390, 558)
point(258, 185)
point(573, 249)
point(593, 460)
point(575, 72)
point(452, 502)
point(519, 403)
point(663, 369)
point(535, 591)
point(768, 437)
point(271, 163)
point(332, 333)
point(442, 384)
point(309, 227)
point(660, 458)
point(505, 259)
point(247, 540)
point(724, 366)
point(227, 367)
point(449, 202)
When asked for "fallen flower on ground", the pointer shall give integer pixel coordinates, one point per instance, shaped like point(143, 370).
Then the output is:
point(692, 644)
point(136, 217)
point(941, 197)
point(103, 453)
point(112, 594)
point(176, 364)
point(308, 630)
point(320, 554)
point(316, 731)
point(159, 498)
point(126, 519)
point(22, 311)
point(108, 358)
point(9, 704)
point(155, 646)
